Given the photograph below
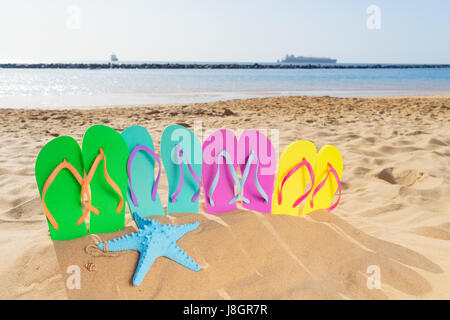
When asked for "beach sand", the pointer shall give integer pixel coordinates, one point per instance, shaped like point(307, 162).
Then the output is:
point(394, 216)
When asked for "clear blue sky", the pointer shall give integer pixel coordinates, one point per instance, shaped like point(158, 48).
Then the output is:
point(411, 31)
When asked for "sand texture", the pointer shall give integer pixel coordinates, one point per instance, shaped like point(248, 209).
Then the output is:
point(394, 213)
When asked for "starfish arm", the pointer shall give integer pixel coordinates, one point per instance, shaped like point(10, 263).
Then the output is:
point(141, 221)
point(177, 232)
point(176, 254)
point(127, 242)
point(148, 256)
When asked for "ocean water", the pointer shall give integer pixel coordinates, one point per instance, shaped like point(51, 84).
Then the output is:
point(66, 88)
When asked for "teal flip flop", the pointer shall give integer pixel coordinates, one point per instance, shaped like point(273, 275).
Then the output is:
point(105, 156)
point(182, 156)
point(61, 189)
point(142, 195)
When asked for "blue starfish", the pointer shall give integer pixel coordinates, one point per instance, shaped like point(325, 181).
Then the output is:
point(153, 240)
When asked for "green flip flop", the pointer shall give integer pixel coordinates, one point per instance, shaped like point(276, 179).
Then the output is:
point(105, 156)
point(182, 156)
point(60, 189)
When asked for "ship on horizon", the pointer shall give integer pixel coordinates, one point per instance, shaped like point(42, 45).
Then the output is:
point(290, 58)
point(114, 58)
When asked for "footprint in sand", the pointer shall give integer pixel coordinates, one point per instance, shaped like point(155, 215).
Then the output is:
point(404, 177)
point(441, 232)
point(437, 142)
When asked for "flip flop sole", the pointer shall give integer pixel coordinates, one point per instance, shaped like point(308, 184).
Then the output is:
point(296, 184)
point(265, 152)
point(142, 173)
point(323, 199)
point(103, 196)
point(185, 139)
point(224, 191)
point(63, 197)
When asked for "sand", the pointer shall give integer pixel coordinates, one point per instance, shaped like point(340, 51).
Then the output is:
point(394, 216)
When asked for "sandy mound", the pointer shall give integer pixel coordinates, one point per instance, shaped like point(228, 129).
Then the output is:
point(243, 255)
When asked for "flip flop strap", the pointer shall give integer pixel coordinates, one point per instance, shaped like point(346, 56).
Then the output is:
point(130, 162)
point(180, 153)
point(227, 157)
point(63, 165)
point(320, 186)
point(245, 175)
point(290, 173)
point(84, 189)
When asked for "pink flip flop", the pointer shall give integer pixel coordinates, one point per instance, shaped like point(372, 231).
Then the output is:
point(219, 171)
point(258, 163)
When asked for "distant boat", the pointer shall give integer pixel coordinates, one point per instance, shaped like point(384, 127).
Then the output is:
point(293, 59)
point(114, 58)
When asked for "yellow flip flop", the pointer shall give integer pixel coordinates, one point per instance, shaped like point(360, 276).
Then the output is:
point(294, 173)
point(328, 174)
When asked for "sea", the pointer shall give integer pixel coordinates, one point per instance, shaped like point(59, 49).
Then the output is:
point(85, 88)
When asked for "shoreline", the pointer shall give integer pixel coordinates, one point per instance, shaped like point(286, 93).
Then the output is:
point(151, 105)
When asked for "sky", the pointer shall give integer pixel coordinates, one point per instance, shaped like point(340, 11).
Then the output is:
point(396, 31)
